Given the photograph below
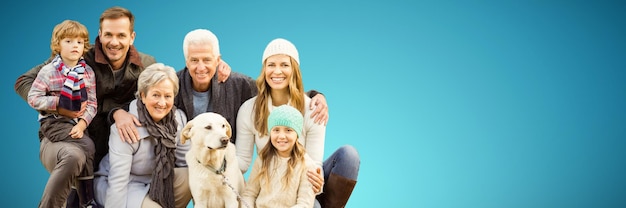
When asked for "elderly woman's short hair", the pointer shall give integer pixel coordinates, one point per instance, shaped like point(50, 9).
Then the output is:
point(153, 75)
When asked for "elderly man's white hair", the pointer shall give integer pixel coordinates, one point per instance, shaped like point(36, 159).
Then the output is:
point(201, 36)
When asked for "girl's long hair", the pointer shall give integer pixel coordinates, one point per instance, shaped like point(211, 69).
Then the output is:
point(269, 155)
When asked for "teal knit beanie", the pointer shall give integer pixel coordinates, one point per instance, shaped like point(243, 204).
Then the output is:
point(285, 115)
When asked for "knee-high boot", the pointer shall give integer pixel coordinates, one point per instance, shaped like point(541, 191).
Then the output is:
point(337, 191)
point(85, 193)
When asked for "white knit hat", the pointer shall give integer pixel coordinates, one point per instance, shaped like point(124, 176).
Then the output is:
point(281, 46)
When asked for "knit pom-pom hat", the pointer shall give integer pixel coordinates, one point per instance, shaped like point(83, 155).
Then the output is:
point(281, 46)
point(285, 115)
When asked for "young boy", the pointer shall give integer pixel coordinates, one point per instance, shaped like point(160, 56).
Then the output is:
point(64, 93)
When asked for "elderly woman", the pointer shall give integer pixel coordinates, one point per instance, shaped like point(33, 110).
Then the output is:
point(151, 172)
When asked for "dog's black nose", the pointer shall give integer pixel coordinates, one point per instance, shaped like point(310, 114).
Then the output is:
point(224, 140)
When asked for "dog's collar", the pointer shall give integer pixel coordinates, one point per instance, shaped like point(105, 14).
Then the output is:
point(220, 171)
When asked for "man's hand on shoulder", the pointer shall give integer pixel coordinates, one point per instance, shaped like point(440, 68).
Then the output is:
point(126, 125)
point(223, 71)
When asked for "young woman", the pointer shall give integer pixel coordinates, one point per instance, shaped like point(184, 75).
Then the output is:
point(280, 83)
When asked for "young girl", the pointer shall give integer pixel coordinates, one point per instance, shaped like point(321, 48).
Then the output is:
point(278, 177)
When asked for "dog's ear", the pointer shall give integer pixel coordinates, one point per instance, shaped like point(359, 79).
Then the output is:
point(229, 132)
point(186, 134)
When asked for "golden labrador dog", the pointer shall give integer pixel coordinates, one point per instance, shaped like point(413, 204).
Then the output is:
point(214, 176)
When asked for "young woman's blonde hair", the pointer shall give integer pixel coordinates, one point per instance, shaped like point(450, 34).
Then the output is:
point(296, 96)
point(68, 29)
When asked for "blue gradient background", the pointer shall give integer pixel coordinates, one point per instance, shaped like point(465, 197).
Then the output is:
point(450, 103)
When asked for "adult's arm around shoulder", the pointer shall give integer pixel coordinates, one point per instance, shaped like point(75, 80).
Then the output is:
point(110, 118)
point(313, 93)
point(315, 137)
point(250, 89)
point(25, 81)
point(245, 135)
point(254, 90)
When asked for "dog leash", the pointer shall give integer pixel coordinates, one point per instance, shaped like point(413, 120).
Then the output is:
point(225, 180)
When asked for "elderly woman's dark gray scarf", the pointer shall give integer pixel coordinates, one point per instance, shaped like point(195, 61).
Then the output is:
point(164, 132)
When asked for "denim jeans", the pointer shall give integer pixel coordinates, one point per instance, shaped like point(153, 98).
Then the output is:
point(345, 162)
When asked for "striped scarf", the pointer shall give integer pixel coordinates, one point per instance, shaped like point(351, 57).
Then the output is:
point(74, 91)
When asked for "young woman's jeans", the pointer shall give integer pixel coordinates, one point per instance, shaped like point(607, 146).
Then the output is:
point(345, 162)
